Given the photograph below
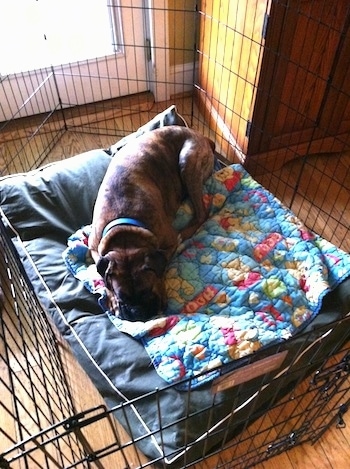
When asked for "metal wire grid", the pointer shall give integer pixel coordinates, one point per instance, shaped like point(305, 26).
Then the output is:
point(19, 329)
point(310, 406)
point(33, 388)
point(85, 96)
point(242, 83)
point(44, 430)
point(316, 187)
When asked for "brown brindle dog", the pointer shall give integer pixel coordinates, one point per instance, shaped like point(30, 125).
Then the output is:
point(132, 237)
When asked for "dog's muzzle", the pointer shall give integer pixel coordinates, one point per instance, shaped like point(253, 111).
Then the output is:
point(137, 312)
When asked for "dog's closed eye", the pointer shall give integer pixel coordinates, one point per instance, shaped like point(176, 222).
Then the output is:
point(156, 262)
point(102, 266)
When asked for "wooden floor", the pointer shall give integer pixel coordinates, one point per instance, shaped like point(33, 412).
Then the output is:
point(333, 450)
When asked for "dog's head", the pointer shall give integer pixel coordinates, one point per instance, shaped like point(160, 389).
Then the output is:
point(135, 278)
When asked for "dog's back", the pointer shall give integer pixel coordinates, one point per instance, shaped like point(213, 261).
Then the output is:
point(148, 178)
point(132, 236)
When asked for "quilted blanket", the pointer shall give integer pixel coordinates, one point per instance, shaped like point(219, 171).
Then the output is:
point(253, 274)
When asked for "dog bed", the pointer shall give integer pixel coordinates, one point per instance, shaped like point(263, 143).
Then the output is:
point(43, 208)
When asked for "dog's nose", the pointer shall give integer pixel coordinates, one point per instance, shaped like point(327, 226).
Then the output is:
point(125, 311)
point(123, 298)
point(131, 312)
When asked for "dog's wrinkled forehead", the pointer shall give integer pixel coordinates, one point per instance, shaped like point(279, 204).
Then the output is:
point(152, 261)
point(114, 263)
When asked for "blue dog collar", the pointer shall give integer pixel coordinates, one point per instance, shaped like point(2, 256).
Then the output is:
point(122, 221)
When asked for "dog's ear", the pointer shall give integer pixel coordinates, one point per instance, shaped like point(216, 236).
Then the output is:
point(102, 265)
point(157, 261)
